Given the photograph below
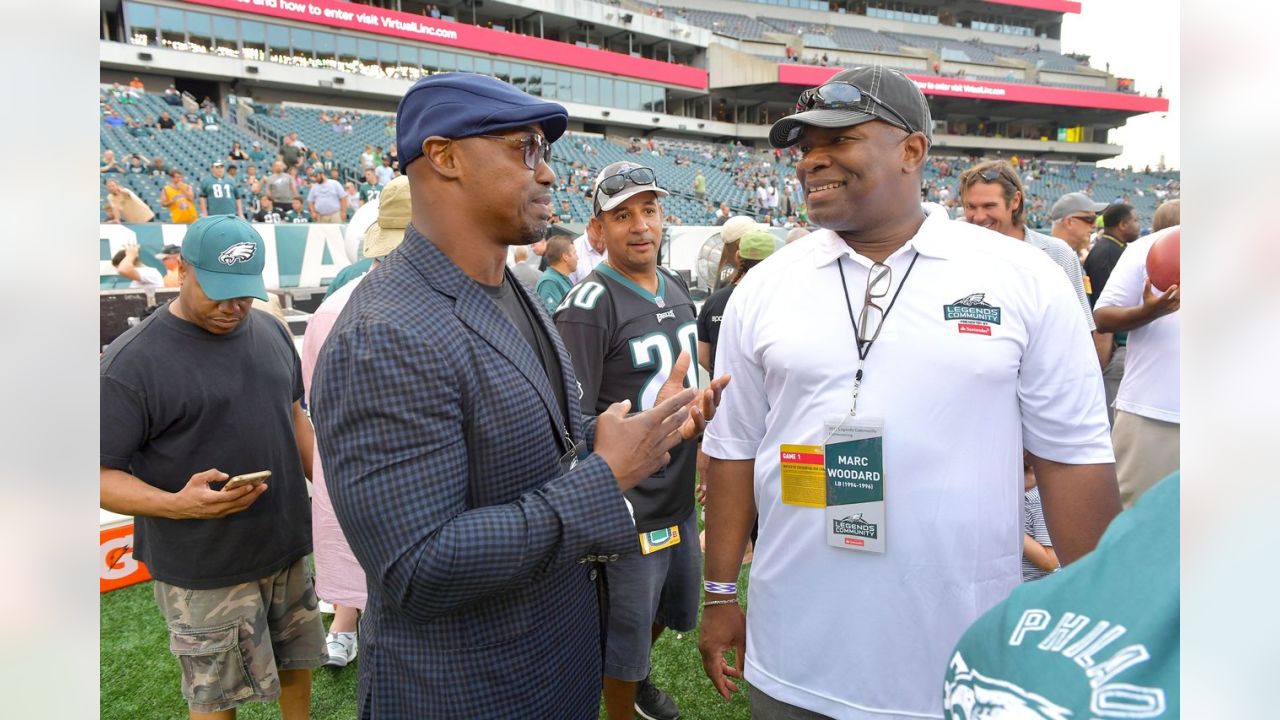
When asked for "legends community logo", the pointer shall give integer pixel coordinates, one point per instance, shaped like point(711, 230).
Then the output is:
point(975, 314)
point(854, 525)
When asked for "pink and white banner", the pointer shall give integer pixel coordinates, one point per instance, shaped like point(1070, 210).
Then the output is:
point(349, 16)
point(812, 75)
point(1062, 6)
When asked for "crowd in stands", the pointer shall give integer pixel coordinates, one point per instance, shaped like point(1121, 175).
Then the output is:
point(144, 144)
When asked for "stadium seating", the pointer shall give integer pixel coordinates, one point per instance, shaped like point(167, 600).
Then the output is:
point(954, 50)
point(191, 151)
point(728, 169)
point(865, 40)
point(835, 36)
point(731, 24)
point(1045, 59)
point(366, 129)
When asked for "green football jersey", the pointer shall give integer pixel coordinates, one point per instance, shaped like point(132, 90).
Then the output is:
point(297, 217)
point(219, 195)
point(1100, 639)
point(624, 341)
point(370, 191)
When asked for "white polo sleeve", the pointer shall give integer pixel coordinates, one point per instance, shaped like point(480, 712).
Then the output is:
point(1128, 277)
point(738, 427)
point(1060, 393)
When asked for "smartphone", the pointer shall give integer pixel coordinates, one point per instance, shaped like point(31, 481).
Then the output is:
point(249, 479)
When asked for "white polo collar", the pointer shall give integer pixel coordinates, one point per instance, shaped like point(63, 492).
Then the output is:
point(929, 240)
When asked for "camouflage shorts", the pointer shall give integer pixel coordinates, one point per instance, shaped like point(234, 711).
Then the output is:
point(233, 641)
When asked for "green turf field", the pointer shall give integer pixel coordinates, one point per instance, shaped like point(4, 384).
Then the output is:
point(140, 679)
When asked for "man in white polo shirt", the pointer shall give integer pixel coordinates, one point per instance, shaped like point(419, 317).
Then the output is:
point(894, 364)
point(1148, 408)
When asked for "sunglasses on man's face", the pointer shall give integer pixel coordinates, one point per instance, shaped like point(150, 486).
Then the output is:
point(839, 95)
point(536, 147)
point(1087, 219)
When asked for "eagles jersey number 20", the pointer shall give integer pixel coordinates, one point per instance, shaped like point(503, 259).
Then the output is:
point(624, 341)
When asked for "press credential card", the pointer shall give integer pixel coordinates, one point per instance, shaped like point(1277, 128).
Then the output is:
point(802, 475)
point(854, 465)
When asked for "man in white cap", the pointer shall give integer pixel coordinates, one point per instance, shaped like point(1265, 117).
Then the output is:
point(630, 328)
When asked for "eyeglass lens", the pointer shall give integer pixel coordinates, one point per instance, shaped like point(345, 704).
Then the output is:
point(536, 150)
point(878, 280)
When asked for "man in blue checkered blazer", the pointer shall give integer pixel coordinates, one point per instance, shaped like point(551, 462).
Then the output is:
point(447, 416)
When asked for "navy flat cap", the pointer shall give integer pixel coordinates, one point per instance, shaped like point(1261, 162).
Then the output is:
point(459, 105)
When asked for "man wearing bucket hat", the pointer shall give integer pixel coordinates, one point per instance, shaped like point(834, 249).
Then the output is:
point(204, 389)
point(339, 579)
point(482, 507)
point(629, 326)
point(888, 371)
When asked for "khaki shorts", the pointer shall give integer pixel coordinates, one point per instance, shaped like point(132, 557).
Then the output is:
point(232, 642)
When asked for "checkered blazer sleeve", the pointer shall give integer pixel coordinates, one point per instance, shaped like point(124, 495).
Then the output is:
point(392, 417)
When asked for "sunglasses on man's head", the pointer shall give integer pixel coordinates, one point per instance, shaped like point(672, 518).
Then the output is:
point(840, 95)
point(993, 175)
point(615, 184)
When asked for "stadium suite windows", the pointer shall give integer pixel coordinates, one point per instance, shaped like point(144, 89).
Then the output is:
point(208, 33)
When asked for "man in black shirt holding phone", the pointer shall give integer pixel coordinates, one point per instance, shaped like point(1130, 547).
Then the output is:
point(203, 389)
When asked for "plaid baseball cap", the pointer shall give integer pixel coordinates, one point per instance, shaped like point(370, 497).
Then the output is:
point(890, 87)
point(227, 254)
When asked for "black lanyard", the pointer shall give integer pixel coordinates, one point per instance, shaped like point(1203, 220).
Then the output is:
point(864, 351)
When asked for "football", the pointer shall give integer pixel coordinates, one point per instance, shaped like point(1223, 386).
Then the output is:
point(1163, 261)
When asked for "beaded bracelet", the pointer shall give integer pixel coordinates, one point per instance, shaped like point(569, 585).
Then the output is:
point(719, 588)
point(709, 603)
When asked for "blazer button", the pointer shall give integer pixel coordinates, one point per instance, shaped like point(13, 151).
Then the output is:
point(593, 574)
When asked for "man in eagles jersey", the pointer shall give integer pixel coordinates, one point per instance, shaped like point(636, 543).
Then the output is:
point(629, 325)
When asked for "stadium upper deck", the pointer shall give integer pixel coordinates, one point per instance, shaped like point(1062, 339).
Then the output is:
point(700, 69)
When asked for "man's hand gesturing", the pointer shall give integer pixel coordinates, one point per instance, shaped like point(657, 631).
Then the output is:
point(636, 447)
point(703, 407)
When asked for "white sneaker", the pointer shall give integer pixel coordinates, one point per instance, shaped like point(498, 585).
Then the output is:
point(342, 648)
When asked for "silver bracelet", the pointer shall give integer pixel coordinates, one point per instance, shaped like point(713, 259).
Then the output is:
point(709, 603)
